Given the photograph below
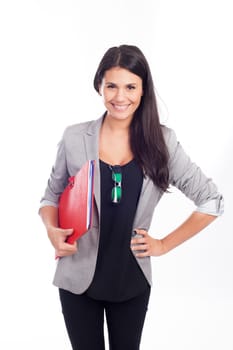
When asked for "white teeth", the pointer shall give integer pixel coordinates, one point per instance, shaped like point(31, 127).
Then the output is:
point(120, 107)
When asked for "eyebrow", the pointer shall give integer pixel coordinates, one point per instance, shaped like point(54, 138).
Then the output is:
point(110, 82)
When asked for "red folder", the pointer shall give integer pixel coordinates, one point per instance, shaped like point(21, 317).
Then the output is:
point(76, 202)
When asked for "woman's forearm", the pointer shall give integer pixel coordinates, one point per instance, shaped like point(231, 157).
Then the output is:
point(149, 246)
point(57, 236)
point(195, 223)
point(49, 216)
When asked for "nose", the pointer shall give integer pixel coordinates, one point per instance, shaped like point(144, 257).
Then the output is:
point(120, 95)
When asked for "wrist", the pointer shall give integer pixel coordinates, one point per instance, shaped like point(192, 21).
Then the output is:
point(164, 247)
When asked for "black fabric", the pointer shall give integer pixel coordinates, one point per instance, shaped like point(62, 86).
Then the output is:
point(118, 276)
point(84, 319)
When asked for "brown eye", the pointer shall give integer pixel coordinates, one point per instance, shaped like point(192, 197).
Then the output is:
point(131, 87)
point(111, 86)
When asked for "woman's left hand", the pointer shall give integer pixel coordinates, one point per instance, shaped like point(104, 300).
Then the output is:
point(146, 245)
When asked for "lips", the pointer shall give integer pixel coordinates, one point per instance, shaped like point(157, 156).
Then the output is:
point(120, 108)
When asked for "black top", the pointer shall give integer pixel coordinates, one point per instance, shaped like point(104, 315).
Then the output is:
point(118, 276)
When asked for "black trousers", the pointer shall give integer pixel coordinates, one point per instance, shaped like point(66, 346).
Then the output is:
point(84, 319)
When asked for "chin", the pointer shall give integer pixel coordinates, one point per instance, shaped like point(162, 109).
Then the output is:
point(120, 115)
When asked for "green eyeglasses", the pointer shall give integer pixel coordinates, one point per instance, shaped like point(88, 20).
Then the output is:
point(117, 178)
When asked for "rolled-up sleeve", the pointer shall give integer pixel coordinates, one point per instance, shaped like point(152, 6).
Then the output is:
point(190, 179)
point(58, 178)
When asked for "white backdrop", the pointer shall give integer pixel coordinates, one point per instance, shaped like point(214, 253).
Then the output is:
point(50, 50)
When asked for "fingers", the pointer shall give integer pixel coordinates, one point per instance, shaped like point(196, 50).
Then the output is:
point(67, 232)
point(140, 243)
point(140, 236)
point(141, 231)
point(66, 249)
point(140, 250)
point(144, 254)
point(58, 238)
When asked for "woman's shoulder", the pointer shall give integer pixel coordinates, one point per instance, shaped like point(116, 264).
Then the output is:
point(169, 136)
point(77, 128)
point(82, 128)
point(171, 141)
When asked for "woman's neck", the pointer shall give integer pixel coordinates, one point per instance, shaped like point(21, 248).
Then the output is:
point(114, 143)
point(116, 125)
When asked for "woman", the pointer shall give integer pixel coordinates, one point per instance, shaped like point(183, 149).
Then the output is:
point(109, 269)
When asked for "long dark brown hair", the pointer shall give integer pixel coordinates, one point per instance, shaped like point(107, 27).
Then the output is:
point(146, 137)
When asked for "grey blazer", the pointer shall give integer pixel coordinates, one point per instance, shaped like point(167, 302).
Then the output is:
point(80, 143)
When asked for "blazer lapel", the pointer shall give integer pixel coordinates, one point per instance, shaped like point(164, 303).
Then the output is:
point(91, 140)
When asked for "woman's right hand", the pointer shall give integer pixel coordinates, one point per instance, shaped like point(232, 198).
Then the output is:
point(58, 238)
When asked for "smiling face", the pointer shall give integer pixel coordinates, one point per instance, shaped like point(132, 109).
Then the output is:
point(122, 92)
